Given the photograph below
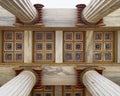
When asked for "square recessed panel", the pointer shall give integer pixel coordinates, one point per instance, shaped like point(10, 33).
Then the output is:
point(108, 56)
point(73, 42)
point(39, 36)
point(19, 36)
point(68, 56)
point(19, 57)
point(68, 36)
point(8, 36)
point(78, 93)
point(49, 56)
point(8, 46)
point(98, 36)
point(48, 88)
point(48, 94)
point(49, 46)
point(108, 46)
point(38, 94)
point(8, 57)
point(108, 36)
point(39, 46)
point(49, 36)
point(78, 46)
point(68, 46)
point(18, 46)
point(103, 46)
point(98, 56)
point(68, 94)
point(39, 56)
point(98, 46)
point(44, 45)
point(78, 36)
point(68, 88)
point(79, 56)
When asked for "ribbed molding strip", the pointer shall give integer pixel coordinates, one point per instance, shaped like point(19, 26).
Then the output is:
point(98, 85)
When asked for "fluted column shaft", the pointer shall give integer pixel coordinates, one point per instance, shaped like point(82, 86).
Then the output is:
point(97, 9)
point(23, 9)
point(98, 85)
point(21, 85)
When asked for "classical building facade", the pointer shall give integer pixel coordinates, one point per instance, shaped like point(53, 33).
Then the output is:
point(59, 52)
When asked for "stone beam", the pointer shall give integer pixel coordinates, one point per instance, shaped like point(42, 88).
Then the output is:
point(97, 9)
point(22, 9)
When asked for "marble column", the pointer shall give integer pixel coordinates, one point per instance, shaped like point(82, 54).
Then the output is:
point(59, 46)
point(21, 85)
point(23, 9)
point(89, 46)
point(28, 46)
point(97, 9)
point(118, 47)
point(98, 85)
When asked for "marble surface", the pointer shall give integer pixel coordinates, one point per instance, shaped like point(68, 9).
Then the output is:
point(28, 46)
point(118, 46)
point(112, 73)
point(59, 46)
point(6, 74)
point(113, 19)
point(89, 46)
point(6, 18)
point(59, 75)
point(59, 17)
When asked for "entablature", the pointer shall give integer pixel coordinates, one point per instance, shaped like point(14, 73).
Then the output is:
point(38, 28)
